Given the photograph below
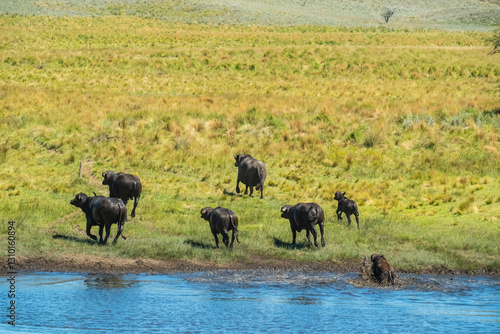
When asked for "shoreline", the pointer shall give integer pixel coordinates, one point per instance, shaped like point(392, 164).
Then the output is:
point(120, 266)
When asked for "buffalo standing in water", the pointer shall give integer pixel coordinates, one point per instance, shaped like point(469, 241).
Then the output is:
point(221, 221)
point(251, 172)
point(123, 186)
point(382, 270)
point(103, 212)
point(305, 216)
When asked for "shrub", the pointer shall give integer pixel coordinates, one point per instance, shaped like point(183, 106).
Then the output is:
point(495, 41)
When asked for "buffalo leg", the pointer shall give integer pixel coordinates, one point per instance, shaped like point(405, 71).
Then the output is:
point(238, 186)
point(315, 235)
point(294, 236)
point(225, 238)
point(136, 201)
point(261, 191)
point(348, 219)
point(357, 219)
point(321, 230)
point(308, 235)
point(108, 230)
point(339, 214)
point(101, 228)
point(89, 226)
point(246, 189)
point(251, 191)
point(216, 239)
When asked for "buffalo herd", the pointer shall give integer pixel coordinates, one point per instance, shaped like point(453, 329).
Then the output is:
point(104, 211)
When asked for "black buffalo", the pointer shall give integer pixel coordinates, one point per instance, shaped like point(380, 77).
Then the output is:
point(123, 186)
point(382, 269)
point(103, 212)
point(251, 172)
point(221, 221)
point(347, 206)
point(305, 216)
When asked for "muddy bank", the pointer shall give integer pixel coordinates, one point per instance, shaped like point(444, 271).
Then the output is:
point(265, 277)
point(101, 265)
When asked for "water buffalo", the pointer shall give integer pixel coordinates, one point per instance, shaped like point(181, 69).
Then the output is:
point(349, 207)
point(103, 212)
point(123, 186)
point(305, 216)
point(382, 270)
point(221, 221)
point(251, 172)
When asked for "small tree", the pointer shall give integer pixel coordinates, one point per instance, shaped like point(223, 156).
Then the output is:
point(495, 41)
point(387, 14)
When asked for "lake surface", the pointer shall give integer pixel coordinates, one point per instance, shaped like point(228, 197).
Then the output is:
point(250, 302)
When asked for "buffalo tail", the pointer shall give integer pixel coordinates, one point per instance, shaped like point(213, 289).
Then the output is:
point(235, 229)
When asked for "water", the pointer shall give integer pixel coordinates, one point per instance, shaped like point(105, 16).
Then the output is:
point(250, 302)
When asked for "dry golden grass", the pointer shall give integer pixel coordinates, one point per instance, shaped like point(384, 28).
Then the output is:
point(405, 122)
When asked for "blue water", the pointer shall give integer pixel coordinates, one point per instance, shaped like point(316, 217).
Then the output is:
point(250, 302)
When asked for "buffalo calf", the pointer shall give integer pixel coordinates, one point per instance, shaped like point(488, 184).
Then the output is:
point(305, 216)
point(251, 172)
point(123, 186)
point(221, 221)
point(347, 206)
point(103, 212)
point(382, 270)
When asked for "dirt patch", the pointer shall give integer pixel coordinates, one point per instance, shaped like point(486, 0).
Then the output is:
point(87, 264)
point(93, 264)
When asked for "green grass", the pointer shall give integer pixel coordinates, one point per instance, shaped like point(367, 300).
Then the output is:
point(405, 122)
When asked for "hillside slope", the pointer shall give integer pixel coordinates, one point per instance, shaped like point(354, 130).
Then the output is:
point(447, 15)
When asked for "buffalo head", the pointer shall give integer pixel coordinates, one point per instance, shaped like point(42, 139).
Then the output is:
point(375, 257)
point(108, 176)
point(339, 196)
point(285, 211)
point(79, 200)
point(205, 213)
point(238, 159)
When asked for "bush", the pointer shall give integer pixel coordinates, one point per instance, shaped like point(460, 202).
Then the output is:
point(495, 41)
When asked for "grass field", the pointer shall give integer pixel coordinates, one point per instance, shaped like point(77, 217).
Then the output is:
point(406, 122)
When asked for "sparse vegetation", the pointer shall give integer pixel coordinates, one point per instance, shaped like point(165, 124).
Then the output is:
point(470, 15)
point(494, 40)
point(405, 122)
